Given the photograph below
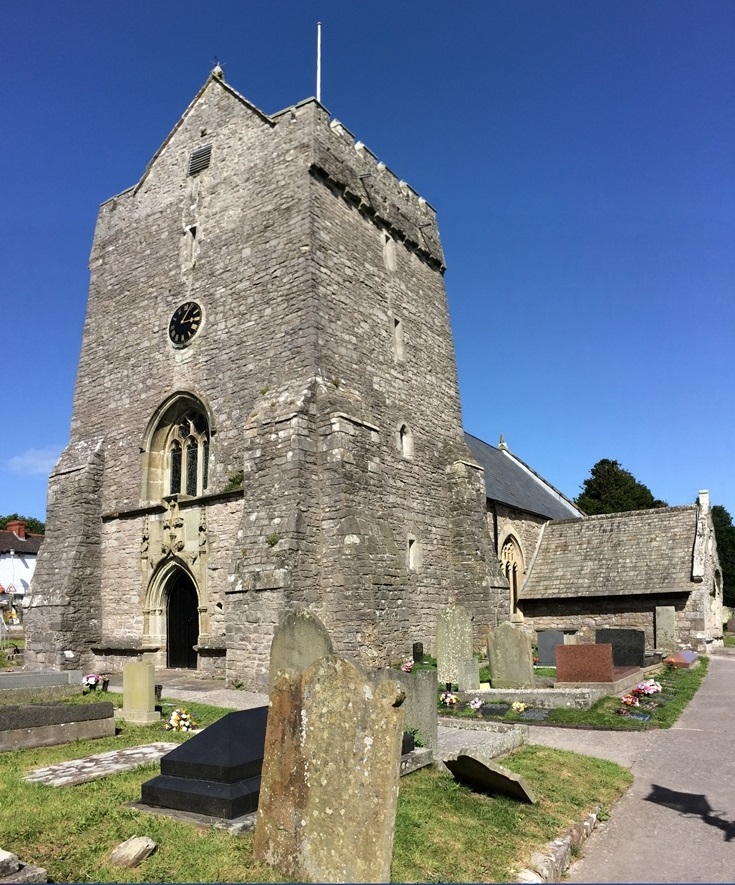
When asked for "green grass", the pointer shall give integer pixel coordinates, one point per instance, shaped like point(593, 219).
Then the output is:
point(444, 831)
point(545, 671)
point(728, 641)
point(678, 686)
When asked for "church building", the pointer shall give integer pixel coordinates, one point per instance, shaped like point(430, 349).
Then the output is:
point(266, 412)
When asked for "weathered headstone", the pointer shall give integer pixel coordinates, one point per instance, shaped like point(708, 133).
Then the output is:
point(468, 678)
point(299, 640)
point(453, 642)
point(547, 642)
point(480, 772)
point(629, 646)
point(139, 704)
point(584, 663)
point(419, 707)
point(216, 772)
point(665, 625)
point(510, 655)
point(330, 774)
point(418, 652)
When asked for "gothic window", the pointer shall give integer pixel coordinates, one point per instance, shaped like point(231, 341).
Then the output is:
point(176, 450)
point(511, 560)
point(188, 454)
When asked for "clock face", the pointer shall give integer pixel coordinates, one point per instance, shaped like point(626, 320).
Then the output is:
point(185, 323)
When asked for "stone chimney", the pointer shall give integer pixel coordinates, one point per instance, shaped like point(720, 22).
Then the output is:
point(703, 501)
point(17, 527)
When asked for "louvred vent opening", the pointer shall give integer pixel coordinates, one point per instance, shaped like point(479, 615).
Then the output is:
point(199, 159)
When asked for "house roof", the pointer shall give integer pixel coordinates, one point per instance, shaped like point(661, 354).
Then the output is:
point(509, 481)
point(10, 541)
point(615, 554)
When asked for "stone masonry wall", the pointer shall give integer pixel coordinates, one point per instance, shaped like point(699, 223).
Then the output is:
point(325, 366)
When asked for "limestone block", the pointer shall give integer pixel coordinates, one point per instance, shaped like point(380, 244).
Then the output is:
point(132, 852)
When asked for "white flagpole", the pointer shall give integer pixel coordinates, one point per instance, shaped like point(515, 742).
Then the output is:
point(319, 62)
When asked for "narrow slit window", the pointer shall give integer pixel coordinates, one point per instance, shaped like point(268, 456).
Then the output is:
point(399, 352)
point(175, 485)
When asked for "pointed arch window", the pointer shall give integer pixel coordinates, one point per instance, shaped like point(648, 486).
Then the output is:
point(511, 560)
point(176, 453)
point(188, 454)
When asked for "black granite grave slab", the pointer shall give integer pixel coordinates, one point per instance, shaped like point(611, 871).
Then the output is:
point(628, 646)
point(216, 772)
point(494, 709)
point(536, 714)
point(547, 642)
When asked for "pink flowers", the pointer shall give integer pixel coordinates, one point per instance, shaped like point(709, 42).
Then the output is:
point(407, 667)
point(630, 700)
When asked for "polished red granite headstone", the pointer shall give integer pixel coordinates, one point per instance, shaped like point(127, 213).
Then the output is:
point(585, 663)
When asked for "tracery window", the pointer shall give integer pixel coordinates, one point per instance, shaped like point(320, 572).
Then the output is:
point(188, 452)
point(176, 456)
point(511, 560)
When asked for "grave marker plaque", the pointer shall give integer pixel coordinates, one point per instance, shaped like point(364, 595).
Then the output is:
point(629, 646)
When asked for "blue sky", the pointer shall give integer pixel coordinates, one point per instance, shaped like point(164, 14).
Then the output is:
point(580, 155)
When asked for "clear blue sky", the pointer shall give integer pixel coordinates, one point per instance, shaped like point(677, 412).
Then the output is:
point(580, 155)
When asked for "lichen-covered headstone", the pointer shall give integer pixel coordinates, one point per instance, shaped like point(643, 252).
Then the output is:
point(139, 698)
point(510, 655)
point(453, 642)
point(329, 788)
point(468, 678)
point(665, 628)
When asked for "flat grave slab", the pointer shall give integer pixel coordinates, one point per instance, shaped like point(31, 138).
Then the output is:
point(536, 714)
point(494, 709)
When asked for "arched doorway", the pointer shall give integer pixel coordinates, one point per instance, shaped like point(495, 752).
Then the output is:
point(182, 622)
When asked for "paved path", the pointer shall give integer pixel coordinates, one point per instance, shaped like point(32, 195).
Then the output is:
point(677, 822)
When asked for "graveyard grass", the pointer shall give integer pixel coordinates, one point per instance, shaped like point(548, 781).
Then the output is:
point(443, 829)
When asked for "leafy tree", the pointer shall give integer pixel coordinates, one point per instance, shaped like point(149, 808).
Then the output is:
point(611, 489)
point(34, 526)
point(725, 535)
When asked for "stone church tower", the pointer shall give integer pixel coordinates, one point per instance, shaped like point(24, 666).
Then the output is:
point(266, 412)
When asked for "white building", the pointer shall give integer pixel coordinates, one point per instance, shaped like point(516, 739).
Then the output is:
point(18, 554)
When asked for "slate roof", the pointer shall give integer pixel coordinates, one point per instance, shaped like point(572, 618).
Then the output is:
point(509, 481)
point(10, 541)
point(616, 554)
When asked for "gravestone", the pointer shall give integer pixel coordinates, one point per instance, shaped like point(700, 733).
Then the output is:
point(468, 677)
point(216, 772)
point(731, 626)
point(584, 663)
point(419, 707)
point(331, 769)
point(629, 646)
point(510, 655)
point(547, 642)
point(418, 652)
point(453, 642)
point(139, 701)
point(665, 626)
point(684, 660)
point(480, 772)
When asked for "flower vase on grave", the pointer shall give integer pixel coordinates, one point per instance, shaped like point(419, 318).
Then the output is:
point(105, 684)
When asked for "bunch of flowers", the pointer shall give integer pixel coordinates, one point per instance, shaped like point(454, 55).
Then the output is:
point(407, 667)
point(181, 720)
point(647, 687)
point(476, 703)
point(518, 706)
point(91, 680)
point(448, 699)
point(630, 700)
